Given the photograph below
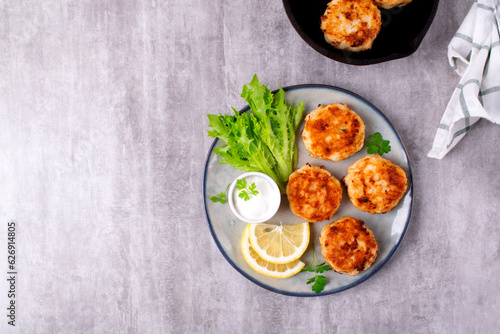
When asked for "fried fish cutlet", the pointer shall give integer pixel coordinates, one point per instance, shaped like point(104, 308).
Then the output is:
point(351, 25)
point(375, 184)
point(333, 132)
point(388, 4)
point(313, 193)
point(348, 246)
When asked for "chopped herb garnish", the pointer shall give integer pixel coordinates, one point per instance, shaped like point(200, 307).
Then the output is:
point(222, 197)
point(318, 280)
point(377, 145)
point(245, 192)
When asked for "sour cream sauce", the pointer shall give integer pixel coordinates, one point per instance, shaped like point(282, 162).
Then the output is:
point(260, 207)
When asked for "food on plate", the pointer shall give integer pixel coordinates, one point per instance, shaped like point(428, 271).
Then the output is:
point(262, 140)
point(279, 243)
point(388, 4)
point(265, 267)
point(333, 132)
point(313, 193)
point(351, 25)
point(375, 184)
point(348, 246)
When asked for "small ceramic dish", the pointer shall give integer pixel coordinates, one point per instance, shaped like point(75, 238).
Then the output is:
point(257, 208)
point(403, 29)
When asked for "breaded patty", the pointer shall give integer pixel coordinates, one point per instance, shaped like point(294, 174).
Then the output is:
point(375, 184)
point(333, 132)
point(388, 4)
point(351, 25)
point(348, 246)
point(313, 193)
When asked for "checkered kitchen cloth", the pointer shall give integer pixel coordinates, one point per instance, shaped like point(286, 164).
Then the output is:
point(474, 53)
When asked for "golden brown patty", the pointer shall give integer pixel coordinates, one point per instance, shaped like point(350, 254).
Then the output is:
point(348, 246)
point(375, 184)
point(388, 4)
point(313, 193)
point(333, 132)
point(351, 25)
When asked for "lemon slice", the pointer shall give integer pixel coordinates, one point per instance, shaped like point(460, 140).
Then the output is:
point(264, 267)
point(279, 243)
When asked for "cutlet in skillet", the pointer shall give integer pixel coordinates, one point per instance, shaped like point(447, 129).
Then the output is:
point(388, 4)
point(351, 25)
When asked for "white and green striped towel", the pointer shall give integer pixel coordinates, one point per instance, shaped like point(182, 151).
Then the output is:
point(474, 53)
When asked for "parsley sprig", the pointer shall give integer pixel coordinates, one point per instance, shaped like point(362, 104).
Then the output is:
point(222, 197)
point(318, 280)
point(377, 145)
point(245, 192)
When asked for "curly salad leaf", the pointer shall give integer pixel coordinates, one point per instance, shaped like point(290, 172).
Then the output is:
point(263, 140)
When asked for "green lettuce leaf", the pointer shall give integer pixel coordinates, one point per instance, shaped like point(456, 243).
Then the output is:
point(263, 140)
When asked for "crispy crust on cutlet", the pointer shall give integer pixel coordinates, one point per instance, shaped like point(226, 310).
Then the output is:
point(388, 4)
point(375, 184)
point(313, 193)
point(351, 25)
point(333, 132)
point(348, 246)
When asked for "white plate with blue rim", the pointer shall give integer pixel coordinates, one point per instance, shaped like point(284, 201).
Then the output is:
point(388, 229)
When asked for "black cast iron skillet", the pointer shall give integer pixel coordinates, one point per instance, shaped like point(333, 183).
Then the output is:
point(403, 29)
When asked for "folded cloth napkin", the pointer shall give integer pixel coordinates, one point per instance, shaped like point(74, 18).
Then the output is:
point(474, 53)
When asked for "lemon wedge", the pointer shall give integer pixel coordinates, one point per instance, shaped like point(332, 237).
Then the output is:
point(279, 243)
point(264, 267)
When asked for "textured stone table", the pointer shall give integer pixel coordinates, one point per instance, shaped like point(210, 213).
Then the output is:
point(102, 147)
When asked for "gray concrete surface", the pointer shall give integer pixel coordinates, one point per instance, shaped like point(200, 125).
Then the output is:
point(102, 147)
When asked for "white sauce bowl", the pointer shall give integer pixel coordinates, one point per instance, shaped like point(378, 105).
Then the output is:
point(259, 208)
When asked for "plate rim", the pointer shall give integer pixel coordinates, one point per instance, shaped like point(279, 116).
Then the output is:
point(343, 288)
